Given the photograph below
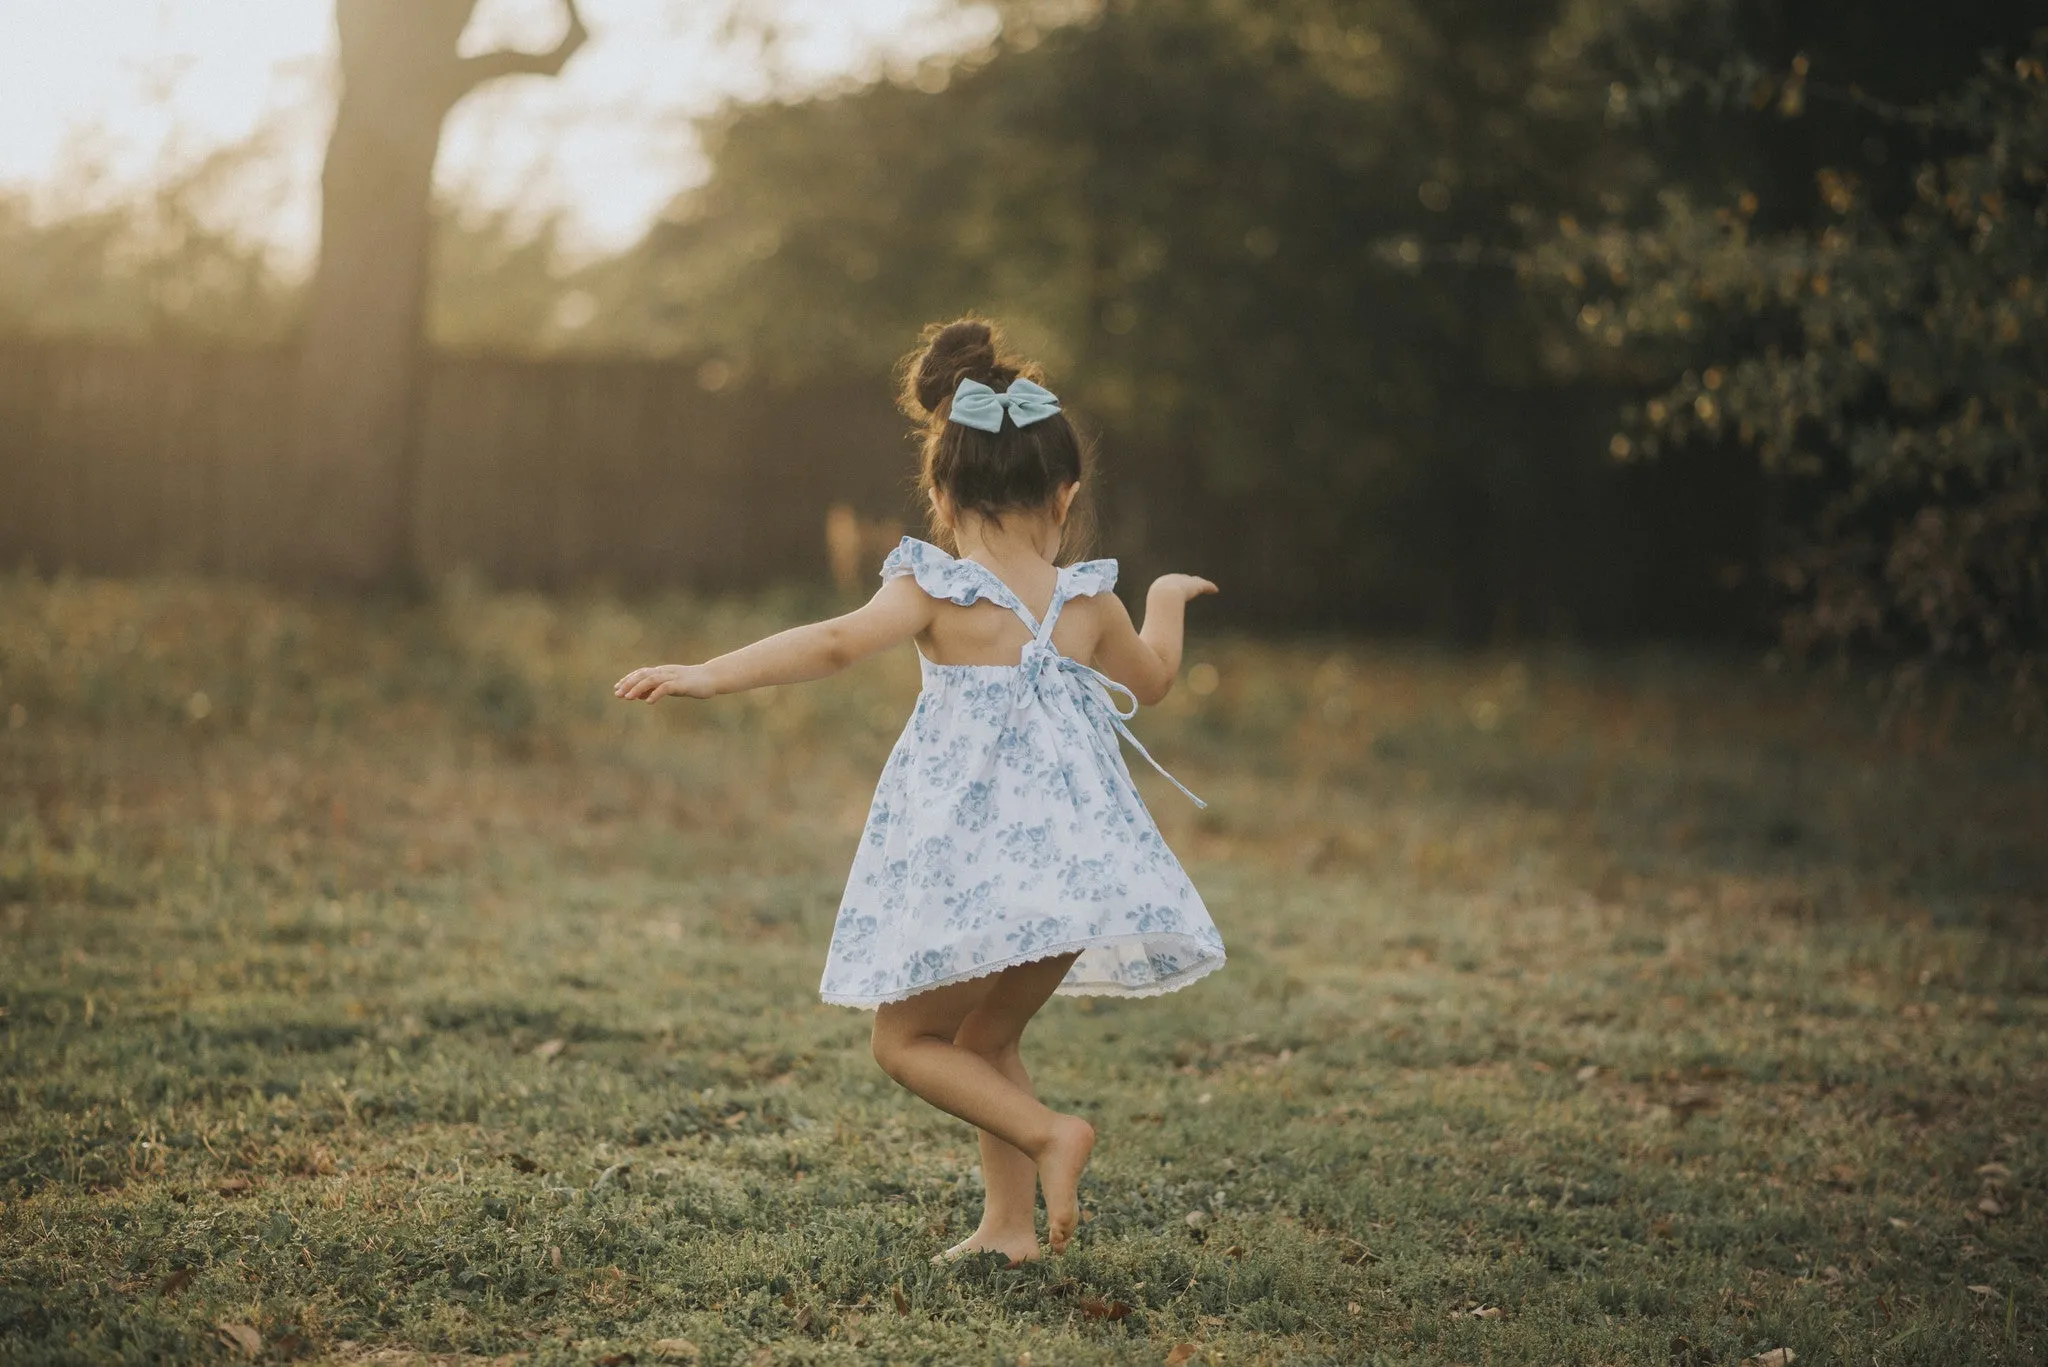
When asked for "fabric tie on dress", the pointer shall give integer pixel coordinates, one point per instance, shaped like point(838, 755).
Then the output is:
point(1039, 655)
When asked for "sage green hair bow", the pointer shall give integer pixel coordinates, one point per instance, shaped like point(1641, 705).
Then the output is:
point(976, 405)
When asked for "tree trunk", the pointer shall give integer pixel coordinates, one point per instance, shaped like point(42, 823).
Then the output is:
point(360, 353)
point(353, 476)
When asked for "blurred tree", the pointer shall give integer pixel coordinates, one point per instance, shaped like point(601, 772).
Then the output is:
point(1875, 336)
point(175, 261)
point(1266, 243)
point(401, 75)
point(500, 282)
point(1185, 209)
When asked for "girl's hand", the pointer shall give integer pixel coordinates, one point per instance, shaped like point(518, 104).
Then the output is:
point(1180, 586)
point(662, 681)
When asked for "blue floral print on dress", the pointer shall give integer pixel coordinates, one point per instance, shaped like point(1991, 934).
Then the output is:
point(1005, 827)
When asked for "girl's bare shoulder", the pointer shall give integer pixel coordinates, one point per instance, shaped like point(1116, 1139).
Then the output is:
point(1086, 623)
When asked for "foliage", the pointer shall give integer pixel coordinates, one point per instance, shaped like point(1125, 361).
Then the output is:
point(1261, 243)
point(1182, 209)
point(1265, 249)
point(1886, 362)
point(163, 265)
point(502, 284)
point(172, 260)
point(1576, 1010)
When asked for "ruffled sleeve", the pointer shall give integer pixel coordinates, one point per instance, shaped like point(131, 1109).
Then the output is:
point(942, 576)
point(1090, 577)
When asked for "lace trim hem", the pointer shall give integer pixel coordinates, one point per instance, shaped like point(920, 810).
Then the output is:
point(1201, 968)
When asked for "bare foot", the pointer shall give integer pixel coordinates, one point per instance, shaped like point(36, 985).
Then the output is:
point(1019, 1246)
point(1059, 1177)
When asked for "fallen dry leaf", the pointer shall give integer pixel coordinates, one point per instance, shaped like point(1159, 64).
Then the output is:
point(615, 1360)
point(1994, 1170)
point(902, 1301)
point(1991, 1205)
point(1896, 1223)
point(1588, 1073)
point(1179, 1353)
point(177, 1281)
point(554, 1256)
point(242, 1338)
point(548, 1049)
point(1486, 1312)
point(232, 1186)
point(1984, 1290)
point(1103, 1310)
point(1776, 1357)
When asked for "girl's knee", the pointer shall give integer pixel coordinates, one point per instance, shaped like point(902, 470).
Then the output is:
point(892, 1048)
point(887, 1047)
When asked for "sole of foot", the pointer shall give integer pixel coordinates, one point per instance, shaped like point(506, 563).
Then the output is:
point(1059, 1177)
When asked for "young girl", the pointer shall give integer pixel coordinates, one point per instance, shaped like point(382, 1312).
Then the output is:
point(1007, 855)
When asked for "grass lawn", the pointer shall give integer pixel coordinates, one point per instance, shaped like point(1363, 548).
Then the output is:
point(376, 988)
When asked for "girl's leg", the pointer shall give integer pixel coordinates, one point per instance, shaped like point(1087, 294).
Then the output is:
point(913, 1041)
point(1009, 1219)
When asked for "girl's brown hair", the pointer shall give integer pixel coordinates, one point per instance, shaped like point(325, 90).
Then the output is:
point(1017, 469)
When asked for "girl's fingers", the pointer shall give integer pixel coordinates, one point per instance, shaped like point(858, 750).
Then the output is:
point(635, 686)
point(651, 685)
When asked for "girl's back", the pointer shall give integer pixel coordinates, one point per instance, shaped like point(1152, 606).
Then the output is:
point(986, 633)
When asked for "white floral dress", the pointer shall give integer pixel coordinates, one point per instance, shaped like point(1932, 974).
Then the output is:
point(1006, 828)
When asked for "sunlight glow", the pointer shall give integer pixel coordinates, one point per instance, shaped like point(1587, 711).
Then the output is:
point(100, 98)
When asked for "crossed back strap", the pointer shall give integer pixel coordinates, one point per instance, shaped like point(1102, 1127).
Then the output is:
point(1041, 632)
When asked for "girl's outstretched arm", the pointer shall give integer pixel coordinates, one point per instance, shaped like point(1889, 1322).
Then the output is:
point(1146, 661)
point(896, 614)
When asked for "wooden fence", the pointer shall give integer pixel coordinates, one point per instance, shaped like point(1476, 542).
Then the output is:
point(119, 459)
point(123, 459)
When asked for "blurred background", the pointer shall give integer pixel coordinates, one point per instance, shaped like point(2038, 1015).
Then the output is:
point(1482, 322)
point(1619, 427)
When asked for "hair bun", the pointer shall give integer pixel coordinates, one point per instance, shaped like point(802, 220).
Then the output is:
point(965, 350)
